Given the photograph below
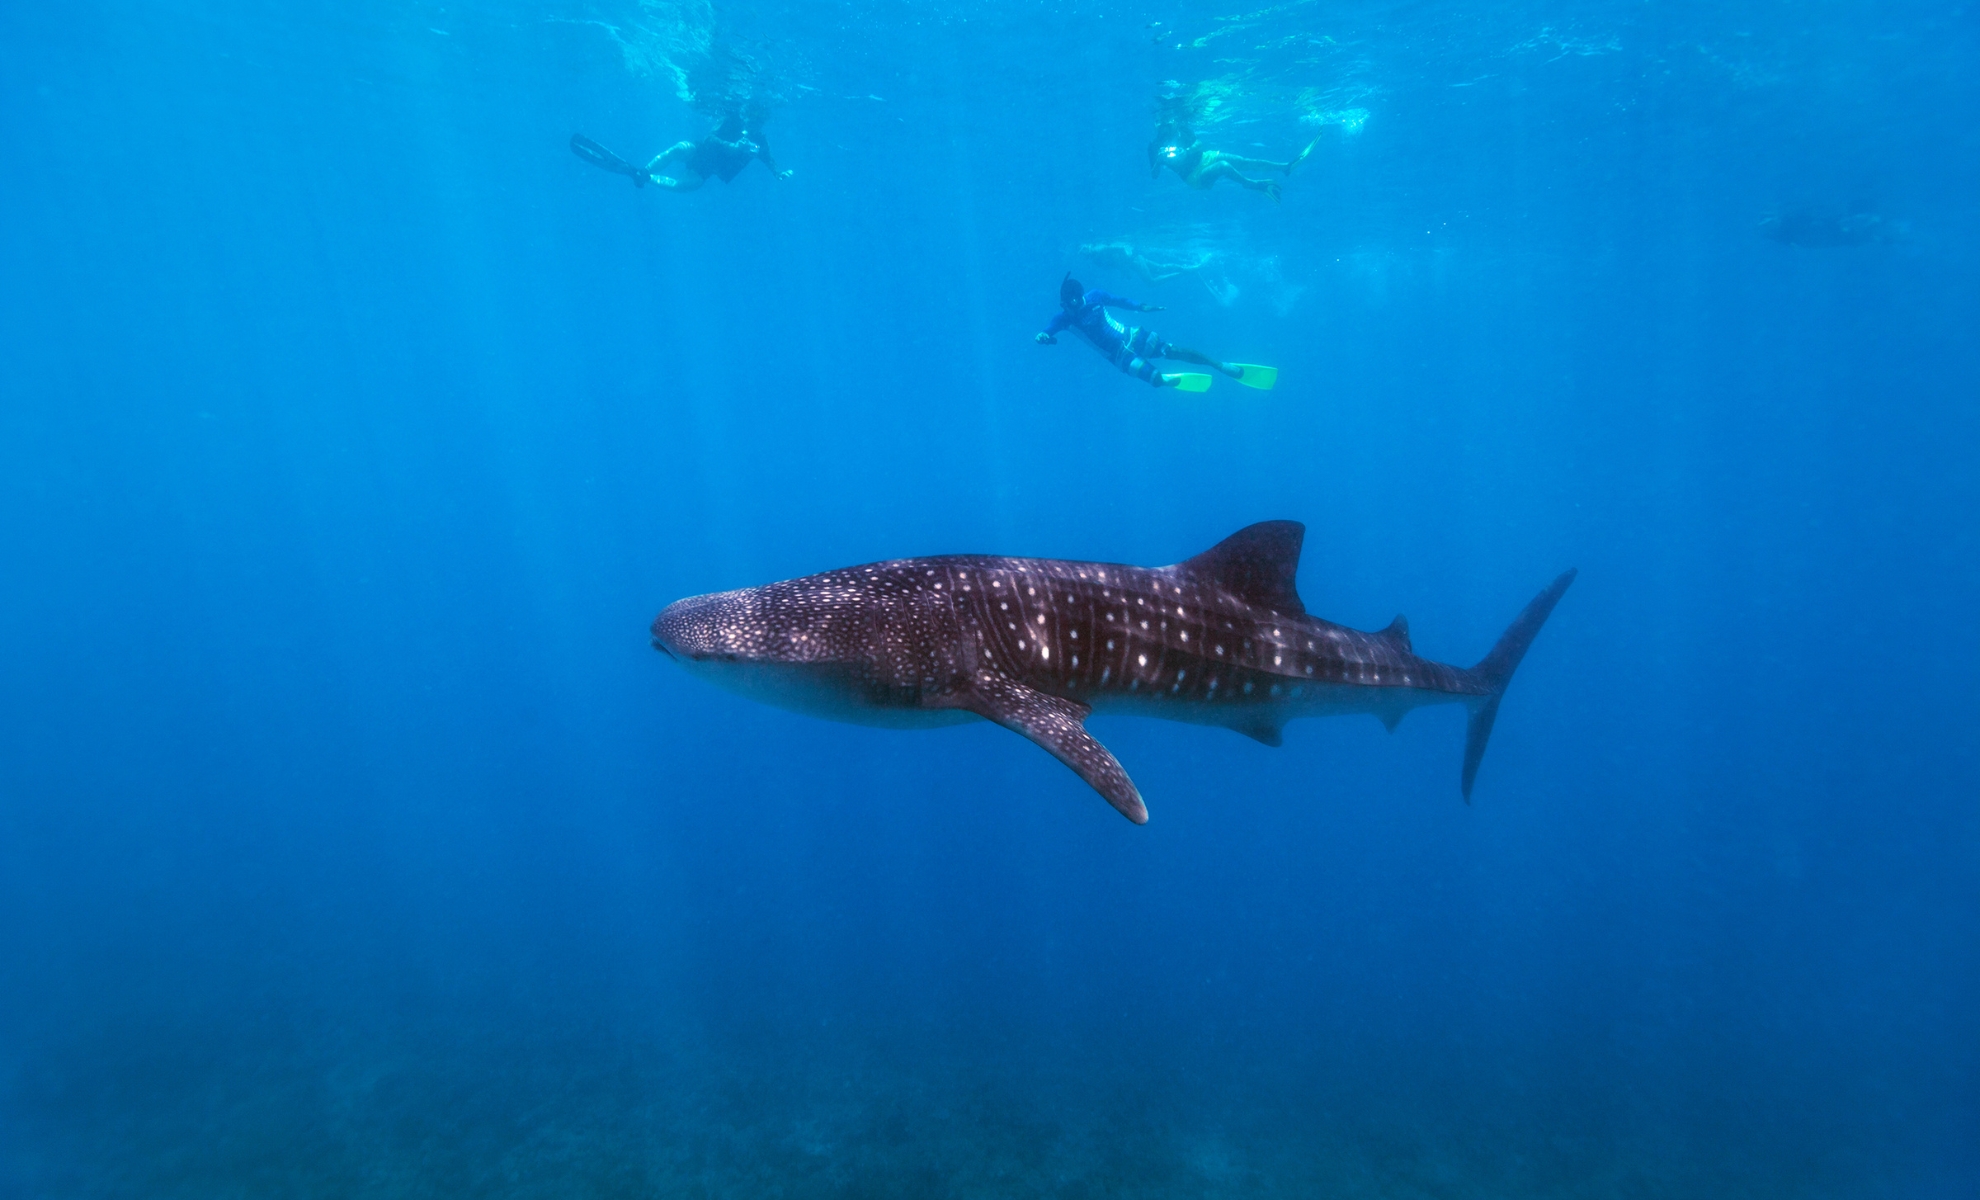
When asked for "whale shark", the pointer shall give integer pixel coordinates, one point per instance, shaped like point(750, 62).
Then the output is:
point(1038, 644)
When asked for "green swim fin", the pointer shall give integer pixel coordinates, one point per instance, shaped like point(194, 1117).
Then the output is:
point(1188, 381)
point(1254, 376)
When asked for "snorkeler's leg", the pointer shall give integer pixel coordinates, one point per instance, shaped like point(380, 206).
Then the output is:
point(1185, 354)
point(1251, 375)
point(1257, 164)
point(681, 181)
point(677, 150)
point(1269, 186)
point(1222, 169)
point(1132, 357)
point(676, 180)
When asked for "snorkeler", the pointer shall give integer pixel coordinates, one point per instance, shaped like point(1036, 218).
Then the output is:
point(1131, 347)
point(721, 155)
point(1177, 147)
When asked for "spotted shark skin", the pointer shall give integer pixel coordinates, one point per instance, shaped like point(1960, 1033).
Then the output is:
point(1037, 644)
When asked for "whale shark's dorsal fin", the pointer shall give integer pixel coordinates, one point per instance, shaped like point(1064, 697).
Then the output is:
point(1258, 564)
point(1398, 632)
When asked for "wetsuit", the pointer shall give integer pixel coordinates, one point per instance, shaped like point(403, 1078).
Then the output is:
point(1128, 347)
point(715, 158)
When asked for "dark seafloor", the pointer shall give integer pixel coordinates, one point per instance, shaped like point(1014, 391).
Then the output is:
point(353, 842)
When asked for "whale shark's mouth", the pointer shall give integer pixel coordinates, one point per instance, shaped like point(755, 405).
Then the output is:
point(689, 657)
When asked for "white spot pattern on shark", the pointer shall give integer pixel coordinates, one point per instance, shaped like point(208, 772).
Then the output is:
point(888, 643)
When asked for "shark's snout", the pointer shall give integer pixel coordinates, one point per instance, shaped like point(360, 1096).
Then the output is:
point(701, 628)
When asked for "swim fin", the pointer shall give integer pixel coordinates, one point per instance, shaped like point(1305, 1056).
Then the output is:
point(599, 156)
point(1187, 381)
point(1254, 376)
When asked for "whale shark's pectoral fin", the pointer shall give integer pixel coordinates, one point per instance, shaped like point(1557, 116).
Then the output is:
point(1056, 724)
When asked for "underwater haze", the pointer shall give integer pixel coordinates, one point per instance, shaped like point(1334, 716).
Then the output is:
point(354, 841)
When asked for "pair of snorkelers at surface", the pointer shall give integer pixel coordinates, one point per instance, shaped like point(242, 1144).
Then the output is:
point(1132, 348)
point(735, 144)
point(685, 166)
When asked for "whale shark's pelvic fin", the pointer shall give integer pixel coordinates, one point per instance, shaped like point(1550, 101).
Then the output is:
point(1056, 724)
point(1495, 672)
point(1258, 564)
point(1262, 728)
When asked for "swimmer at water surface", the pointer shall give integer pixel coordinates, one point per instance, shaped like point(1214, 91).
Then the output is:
point(685, 166)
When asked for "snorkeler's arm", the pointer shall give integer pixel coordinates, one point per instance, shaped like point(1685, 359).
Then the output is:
point(1053, 328)
point(1155, 159)
point(763, 152)
point(1109, 300)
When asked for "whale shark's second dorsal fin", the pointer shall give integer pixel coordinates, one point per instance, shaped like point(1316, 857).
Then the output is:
point(1398, 632)
point(1259, 564)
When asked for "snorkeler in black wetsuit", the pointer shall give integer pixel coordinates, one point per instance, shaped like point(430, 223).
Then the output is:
point(721, 155)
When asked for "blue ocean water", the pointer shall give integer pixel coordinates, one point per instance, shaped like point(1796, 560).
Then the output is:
point(353, 841)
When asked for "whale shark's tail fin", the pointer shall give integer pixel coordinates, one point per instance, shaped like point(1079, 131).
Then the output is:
point(1495, 670)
